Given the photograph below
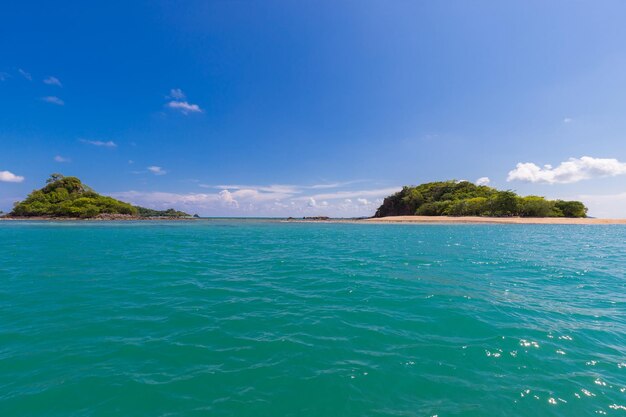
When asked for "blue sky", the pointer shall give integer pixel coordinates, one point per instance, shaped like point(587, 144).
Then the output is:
point(304, 108)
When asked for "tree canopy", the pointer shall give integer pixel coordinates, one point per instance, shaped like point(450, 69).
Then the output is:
point(463, 198)
point(69, 197)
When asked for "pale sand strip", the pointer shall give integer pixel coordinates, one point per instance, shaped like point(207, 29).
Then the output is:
point(506, 220)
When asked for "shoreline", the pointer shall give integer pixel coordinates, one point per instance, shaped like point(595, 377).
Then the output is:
point(371, 220)
point(488, 220)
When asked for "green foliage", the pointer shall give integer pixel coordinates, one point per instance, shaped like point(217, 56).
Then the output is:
point(462, 198)
point(146, 212)
point(534, 206)
point(503, 204)
point(69, 197)
point(571, 208)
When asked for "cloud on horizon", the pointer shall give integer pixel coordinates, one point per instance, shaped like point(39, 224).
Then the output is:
point(271, 200)
point(8, 176)
point(605, 205)
point(483, 181)
point(573, 170)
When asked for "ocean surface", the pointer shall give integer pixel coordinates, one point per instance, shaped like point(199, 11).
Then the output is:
point(263, 318)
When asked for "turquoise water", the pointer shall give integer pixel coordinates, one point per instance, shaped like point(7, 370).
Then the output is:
point(258, 318)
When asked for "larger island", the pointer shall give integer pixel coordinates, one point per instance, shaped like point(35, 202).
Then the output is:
point(463, 198)
point(464, 202)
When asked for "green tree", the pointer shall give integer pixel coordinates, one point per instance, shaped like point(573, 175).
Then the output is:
point(504, 204)
point(534, 206)
point(571, 208)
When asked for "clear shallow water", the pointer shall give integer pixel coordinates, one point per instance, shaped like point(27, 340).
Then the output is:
point(254, 318)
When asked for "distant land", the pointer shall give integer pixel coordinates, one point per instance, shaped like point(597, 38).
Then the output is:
point(463, 198)
point(68, 198)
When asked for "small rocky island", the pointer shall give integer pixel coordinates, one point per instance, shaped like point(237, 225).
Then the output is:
point(463, 198)
point(68, 198)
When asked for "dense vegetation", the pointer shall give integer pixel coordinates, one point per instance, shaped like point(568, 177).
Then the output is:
point(462, 198)
point(69, 197)
point(146, 212)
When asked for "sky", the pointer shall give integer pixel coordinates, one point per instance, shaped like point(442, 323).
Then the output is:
point(242, 108)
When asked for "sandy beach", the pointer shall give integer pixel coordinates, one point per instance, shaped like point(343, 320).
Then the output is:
point(503, 220)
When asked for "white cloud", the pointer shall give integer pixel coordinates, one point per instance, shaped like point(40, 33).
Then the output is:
point(157, 170)
point(568, 120)
point(52, 81)
point(227, 198)
point(104, 144)
point(60, 158)
point(177, 94)
point(573, 170)
point(178, 102)
point(53, 100)
point(7, 176)
point(483, 181)
point(274, 188)
point(25, 74)
point(184, 107)
point(270, 200)
point(333, 184)
point(381, 192)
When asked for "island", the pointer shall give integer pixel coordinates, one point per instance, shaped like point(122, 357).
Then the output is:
point(464, 202)
point(463, 198)
point(68, 198)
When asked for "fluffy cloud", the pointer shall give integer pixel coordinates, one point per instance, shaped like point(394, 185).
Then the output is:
point(271, 201)
point(7, 176)
point(184, 107)
point(156, 170)
point(227, 198)
point(483, 181)
point(179, 103)
point(53, 100)
point(573, 170)
point(60, 158)
point(52, 81)
point(107, 144)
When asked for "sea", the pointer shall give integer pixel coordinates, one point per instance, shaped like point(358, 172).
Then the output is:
point(235, 317)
